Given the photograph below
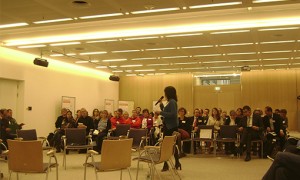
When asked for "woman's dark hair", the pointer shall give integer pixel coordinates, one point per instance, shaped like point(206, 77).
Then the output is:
point(182, 109)
point(218, 116)
point(170, 93)
point(145, 110)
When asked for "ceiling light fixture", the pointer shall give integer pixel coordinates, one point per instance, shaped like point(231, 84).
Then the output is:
point(52, 21)
point(191, 47)
point(13, 25)
point(100, 41)
point(207, 55)
point(101, 16)
point(244, 53)
point(92, 53)
point(194, 68)
point(245, 60)
point(174, 57)
point(159, 49)
point(117, 71)
point(275, 59)
point(269, 52)
point(56, 55)
point(275, 65)
point(238, 44)
point(81, 62)
point(149, 58)
point(230, 32)
point(101, 67)
point(220, 67)
point(32, 46)
point(180, 35)
point(210, 62)
point(165, 64)
point(140, 38)
point(113, 60)
point(155, 10)
point(132, 65)
point(124, 51)
point(215, 5)
point(277, 42)
point(174, 69)
point(144, 70)
point(186, 63)
point(279, 29)
point(266, 1)
point(64, 44)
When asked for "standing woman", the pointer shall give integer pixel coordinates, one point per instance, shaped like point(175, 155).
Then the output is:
point(170, 121)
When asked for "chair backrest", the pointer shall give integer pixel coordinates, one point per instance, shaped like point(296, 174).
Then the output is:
point(167, 148)
point(206, 132)
point(76, 136)
point(116, 154)
point(122, 129)
point(25, 156)
point(27, 135)
point(136, 135)
point(227, 131)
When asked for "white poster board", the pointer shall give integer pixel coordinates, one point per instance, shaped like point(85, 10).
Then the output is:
point(68, 103)
point(109, 105)
point(126, 106)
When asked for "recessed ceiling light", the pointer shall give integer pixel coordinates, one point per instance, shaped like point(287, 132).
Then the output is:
point(101, 16)
point(101, 67)
point(180, 35)
point(159, 49)
point(207, 55)
point(140, 38)
point(268, 52)
point(56, 55)
point(124, 51)
point(277, 42)
point(174, 57)
point(148, 58)
point(32, 46)
point(245, 60)
point(81, 62)
point(52, 21)
point(130, 74)
point(71, 54)
point(244, 53)
point(117, 71)
point(275, 59)
point(13, 25)
point(279, 29)
point(215, 5)
point(186, 63)
point(112, 66)
point(230, 32)
point(194, 68)
point(113, 60)
point(163, 64)
point(132, 65)
point(238, 44)
point(94, 61)
point(210, 62)
point(191, 47)
point(172, 69)
point(266, 1)
point(144, 70)
point(221, 67)
point(64, 44)
point(91, 53)
point(105, 40)
point(275, 64)
point(155, 10)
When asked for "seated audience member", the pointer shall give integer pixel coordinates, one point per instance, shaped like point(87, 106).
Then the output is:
point(197, 119)
point(138, 111)
point(239, 115)
point(96, 116)
point(277, 111)
point(283, 114)
point(147, 121)
point(67, 122)
point(185, 128)
point(157, 123)
point(251, 127)
point(230, 146)
point(78, 115)
point(274, 129)
point(14, 126)
point(205, 115)
point(134, 120)
point(85, 121)
point(215, 119)
point(59, 120)
point(224, 117)
point(103, 126)
point(117, 119)
point(5, 129)
point(126, 115)
point(285, 167)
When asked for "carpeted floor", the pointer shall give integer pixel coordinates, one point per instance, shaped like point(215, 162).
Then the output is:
point(204, 167)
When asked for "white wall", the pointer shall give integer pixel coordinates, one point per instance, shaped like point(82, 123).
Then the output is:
point(42, 88)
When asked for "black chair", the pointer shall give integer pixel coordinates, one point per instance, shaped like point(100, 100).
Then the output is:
point(203, 134)
point(121, 131)
point(76, 138)
point(139, 138)
point(227, 134)
point(31, 135)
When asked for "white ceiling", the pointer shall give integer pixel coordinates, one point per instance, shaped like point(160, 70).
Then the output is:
point(261, 35)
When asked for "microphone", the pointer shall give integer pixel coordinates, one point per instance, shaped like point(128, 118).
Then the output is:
point(159, 100)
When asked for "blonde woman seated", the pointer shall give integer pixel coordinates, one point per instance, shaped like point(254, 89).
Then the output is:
point(104, 125)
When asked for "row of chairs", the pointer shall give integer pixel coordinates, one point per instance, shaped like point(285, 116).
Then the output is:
point(27, 157)
point(226, 134)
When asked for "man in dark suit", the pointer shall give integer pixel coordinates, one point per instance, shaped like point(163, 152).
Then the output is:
point(251, 127)
point(274, 129)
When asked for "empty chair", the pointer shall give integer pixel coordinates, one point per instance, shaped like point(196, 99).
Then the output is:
point(75, 138)
point(115, 155)
point(30, 134)
point(27, 157)
point(227, 134)
point(121, 130)
point(139, 137)
point(158, 154)
point(205, 133)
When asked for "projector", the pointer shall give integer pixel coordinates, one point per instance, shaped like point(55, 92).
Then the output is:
point(114, 78)
point(40, 62)
point(245, 68)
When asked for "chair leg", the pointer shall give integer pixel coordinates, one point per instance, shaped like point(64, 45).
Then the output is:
point(121, 175)
point(156, 171)
point(172, 170)
point(128, 169)
point(137, 171)
point(57, 172)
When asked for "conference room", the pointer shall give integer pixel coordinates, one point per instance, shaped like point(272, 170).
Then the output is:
point(112, 53)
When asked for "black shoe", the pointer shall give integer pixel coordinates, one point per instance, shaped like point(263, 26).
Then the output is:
point(178, 166)
point(248, 157)
point(165, 168)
